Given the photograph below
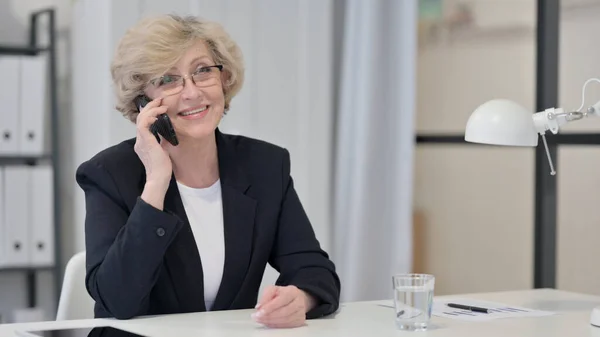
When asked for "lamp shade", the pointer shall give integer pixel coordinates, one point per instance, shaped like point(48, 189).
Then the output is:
point(501, 122)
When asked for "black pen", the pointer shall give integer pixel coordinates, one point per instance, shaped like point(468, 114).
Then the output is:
point(468, 307)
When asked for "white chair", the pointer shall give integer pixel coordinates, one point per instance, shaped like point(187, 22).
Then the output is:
point(75, 302)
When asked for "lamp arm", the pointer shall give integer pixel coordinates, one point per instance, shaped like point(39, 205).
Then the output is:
point(593, 79)
point(553, 119)
point(594, 110)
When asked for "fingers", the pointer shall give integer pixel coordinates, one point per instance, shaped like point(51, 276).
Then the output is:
point(281, 307)
point(294, 319)
point(148, 114)
point(293, 323)
point(269, 293)
point(164, 143)
point(151, 105)
point(283, 298)
point(285, 313)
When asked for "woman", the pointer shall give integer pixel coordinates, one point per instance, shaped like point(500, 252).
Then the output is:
point(190, 227)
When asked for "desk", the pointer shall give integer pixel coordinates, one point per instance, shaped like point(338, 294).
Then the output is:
point(369, 319)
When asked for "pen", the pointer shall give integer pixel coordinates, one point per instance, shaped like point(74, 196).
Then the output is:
point(468, 307)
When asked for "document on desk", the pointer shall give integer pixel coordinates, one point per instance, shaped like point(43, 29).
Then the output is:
point(495, 310)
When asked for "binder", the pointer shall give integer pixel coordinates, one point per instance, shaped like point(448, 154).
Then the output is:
point(10, 109)
point(17, 216)
point(41, 233)
point(33, 117)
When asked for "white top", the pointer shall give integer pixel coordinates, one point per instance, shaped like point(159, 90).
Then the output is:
point(204, 209)
point(368, 319)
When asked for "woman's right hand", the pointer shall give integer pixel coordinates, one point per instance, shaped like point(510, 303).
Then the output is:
point(153, 155)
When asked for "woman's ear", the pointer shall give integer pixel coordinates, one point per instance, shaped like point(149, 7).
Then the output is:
point(226, 78)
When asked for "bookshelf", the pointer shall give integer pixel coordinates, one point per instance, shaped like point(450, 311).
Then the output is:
point(52, 158)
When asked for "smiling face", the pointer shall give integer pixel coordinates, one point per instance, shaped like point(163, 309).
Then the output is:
point(193, 92)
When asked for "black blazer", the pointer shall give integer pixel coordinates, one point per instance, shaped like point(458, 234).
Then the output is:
point(143, 261)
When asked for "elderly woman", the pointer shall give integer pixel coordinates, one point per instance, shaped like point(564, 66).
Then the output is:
point(191, 227)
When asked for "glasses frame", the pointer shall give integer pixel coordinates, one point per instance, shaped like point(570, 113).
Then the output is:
point(182, 78)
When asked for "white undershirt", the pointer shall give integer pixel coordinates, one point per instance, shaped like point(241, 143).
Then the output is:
point(204, 210)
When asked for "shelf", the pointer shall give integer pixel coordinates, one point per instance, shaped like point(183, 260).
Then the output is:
point(32, 48)
point(17, 50)
point(475, 35)
point(567, 6)
point(25, 269)
point(23, 160)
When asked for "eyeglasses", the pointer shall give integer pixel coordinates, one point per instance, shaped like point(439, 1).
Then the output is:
point(173, 84)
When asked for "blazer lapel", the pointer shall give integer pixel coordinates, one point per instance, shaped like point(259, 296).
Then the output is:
point(238, 221)
point(182, 257)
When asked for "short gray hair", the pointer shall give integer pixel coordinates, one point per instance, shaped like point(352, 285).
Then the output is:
point(155, 44)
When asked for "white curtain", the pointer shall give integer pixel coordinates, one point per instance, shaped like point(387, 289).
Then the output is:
point(374, 147)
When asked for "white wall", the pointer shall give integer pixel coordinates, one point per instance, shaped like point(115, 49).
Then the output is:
point(578, 181)
point(96, 123)
point(478, 200)
point(286, 98)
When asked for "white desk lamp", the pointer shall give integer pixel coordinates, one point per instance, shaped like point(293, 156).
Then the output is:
point(504, 122)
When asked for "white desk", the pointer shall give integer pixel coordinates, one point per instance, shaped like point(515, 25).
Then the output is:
point(369, 319)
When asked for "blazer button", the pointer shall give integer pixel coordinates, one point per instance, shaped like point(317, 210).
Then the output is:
point(160, 232)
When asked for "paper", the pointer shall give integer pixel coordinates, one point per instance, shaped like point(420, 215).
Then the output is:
point(496, 310)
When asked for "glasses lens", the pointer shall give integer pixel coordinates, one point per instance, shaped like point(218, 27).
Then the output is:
point(171, 91)
point(168, 84)
point(205, 76)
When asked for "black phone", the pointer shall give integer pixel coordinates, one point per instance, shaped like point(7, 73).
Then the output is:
point(162, 126)
point(103, 331)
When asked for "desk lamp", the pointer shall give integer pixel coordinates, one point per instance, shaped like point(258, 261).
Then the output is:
point(504, 122)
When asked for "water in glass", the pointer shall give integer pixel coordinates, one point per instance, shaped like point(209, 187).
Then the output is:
point(413, 300)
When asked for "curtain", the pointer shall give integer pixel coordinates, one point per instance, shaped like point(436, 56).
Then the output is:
point(374, 146)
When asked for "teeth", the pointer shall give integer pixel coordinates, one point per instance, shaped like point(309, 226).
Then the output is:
point(192, 112)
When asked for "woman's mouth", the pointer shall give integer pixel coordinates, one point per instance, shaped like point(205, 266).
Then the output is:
point(194, 113)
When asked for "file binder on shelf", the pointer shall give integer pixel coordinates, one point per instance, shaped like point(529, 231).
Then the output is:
point(41, 234)
point(16, 217)
point(28, 237)
point(2, 214)
point(33, 105)
point(10, 66)
point(29, 115)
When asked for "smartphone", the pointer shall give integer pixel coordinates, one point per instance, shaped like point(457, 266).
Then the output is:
point(103, 331)
point(162, 126)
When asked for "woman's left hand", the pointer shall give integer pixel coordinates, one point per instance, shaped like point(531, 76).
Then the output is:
point(283, 307)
